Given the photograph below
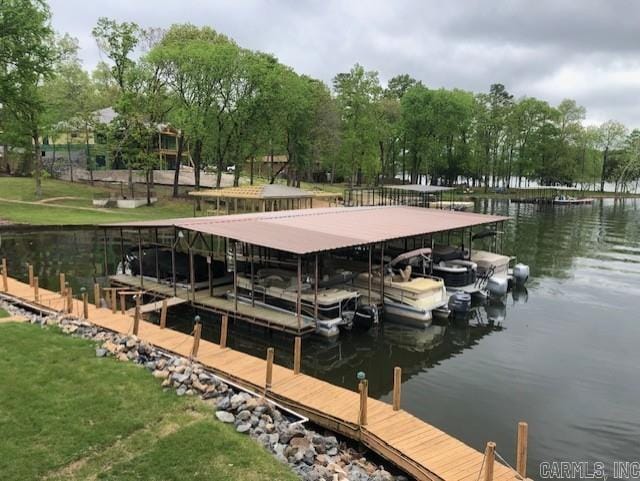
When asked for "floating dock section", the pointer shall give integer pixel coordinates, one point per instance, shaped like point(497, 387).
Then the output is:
point(419, 449)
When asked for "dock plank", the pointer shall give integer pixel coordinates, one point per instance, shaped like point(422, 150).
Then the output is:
point(423, 451)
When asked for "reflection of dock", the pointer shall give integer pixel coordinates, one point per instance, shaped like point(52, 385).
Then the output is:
point(201, 299)
point(418, 448)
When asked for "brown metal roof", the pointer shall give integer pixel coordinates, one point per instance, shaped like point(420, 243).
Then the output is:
point(315, 230)
point(265, 191)
point(425, 189)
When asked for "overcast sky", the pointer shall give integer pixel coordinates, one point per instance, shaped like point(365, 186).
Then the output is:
point(552, 49)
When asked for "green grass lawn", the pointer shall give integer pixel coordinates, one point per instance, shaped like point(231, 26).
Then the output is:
point(3, 313)
point(23, 189)
point(67, 415)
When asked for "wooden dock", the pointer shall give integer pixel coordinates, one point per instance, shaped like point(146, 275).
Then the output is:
point(261, 316)
point(414, 446)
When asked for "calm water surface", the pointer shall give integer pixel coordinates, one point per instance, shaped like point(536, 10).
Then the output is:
point(563, 355)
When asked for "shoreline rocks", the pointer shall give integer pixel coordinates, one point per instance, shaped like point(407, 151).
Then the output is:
point(312, 455)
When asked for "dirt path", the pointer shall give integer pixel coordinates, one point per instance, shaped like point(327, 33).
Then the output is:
point(40, 203)
point(55, 199)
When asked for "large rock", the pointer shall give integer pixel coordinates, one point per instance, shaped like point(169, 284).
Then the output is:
point(243, 415)
point(180, 378)
point(163, 374)
point(243, 427)
point(292, 431)
point(223, 403)
point(225, 417)
point(101, 352)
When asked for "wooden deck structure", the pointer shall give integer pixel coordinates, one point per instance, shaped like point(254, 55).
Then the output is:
point(416, 447)
point(213, 302)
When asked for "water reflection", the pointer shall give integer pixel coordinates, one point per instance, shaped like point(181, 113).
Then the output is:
point(561, 353)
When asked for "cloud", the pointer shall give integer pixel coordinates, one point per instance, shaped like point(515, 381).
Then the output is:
point(551, 49)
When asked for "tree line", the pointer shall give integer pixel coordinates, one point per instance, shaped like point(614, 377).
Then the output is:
point(233, 105)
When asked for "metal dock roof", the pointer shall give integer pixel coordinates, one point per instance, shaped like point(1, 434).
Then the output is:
point(315, 230)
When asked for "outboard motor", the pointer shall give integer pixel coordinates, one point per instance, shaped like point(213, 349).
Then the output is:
point(521, 274)
point(460, 305)
point(497, 286)
point(365, 317)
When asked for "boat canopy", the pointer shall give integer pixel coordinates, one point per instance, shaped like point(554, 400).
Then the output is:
point(308, 231)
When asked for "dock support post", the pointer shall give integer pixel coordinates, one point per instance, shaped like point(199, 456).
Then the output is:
point(96, 295)
point(315, 290)
point(30, 269)
point(36, 287)
point(69, 300)
point(397, 383)
point(521, 450)
point(369, 276)
point(5, 282)
point(197, 332)
point(136, 316)
point(85, 303)
point(140, 257)
point(297, 351)
point(235, 278)
point(123, 302)
point(269, 377)
point(363, 387)
point(163, 314)
point(62, 283)
point(299, 295)
point(489, 460)
point(114, 300)
point(223, 331)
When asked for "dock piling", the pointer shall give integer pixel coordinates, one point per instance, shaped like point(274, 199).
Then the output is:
point(490, 457)
point(197, 332)
point(163, 314)
point(223, 331)
point(36, 287)
point(5, 281)
point(69, 300)
point(114, 300)
point(397, 384)
point(123, 302)
point(269, 376)
point(297, 351)
point(521, 449)
point(85, 303)
point(62, 282)
point(30, 269)
point(363, 388)
point(136, 316)
point(96, 295)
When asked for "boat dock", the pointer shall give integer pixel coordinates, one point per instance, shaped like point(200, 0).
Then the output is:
point(201, 299)
point(552, 195)
point(419, 449)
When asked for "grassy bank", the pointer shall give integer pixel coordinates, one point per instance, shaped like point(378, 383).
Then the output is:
point(68, 415)
point(3, 313)
point(71, 203)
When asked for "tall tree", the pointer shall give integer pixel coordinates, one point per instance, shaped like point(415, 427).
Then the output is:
point(611, 137)
point(357, 93)
point(27, 55)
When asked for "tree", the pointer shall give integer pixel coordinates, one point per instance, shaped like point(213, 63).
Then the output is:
point(118, 41)
point(357, 93)
point(396, 88)
point(27, 54)
point(611, 137)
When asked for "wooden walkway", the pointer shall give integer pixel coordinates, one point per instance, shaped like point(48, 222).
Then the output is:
point(416, 447)
point(262, 316)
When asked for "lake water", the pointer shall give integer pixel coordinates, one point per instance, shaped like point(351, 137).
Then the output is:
point(563, 355)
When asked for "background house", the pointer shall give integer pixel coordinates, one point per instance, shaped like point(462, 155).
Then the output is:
point(86, 144)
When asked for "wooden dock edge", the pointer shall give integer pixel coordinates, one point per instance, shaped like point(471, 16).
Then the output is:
point(338, 425)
